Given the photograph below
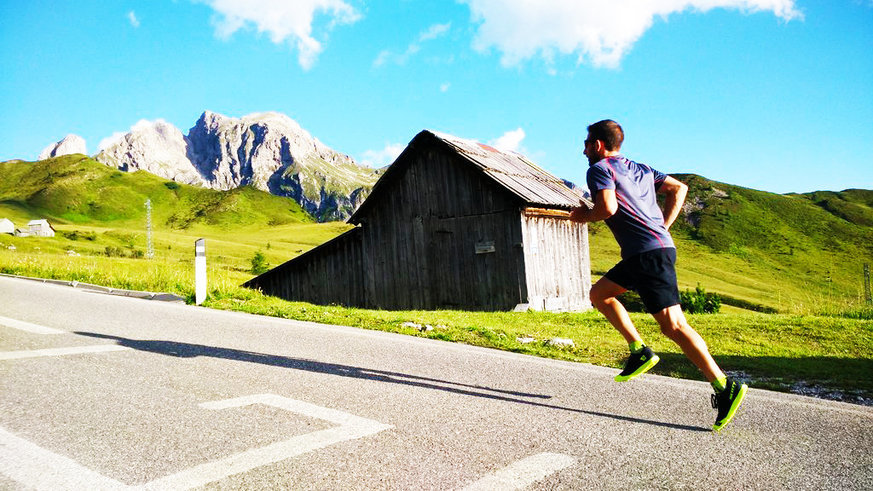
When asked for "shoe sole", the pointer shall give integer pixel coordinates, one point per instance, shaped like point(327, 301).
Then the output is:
point(645, 367)
point(732, 411)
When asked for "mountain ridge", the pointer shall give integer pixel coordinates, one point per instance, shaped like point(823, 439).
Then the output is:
point(78, 189)
point(268, 150)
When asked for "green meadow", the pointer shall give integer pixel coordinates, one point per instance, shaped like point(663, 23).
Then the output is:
point(789, 270)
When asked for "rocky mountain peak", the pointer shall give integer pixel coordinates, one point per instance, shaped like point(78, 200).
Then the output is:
point(268, 150)
point(210, 120)
point(157, 147)
point(68, 145)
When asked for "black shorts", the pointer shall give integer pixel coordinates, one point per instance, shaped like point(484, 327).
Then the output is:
point(652, 274)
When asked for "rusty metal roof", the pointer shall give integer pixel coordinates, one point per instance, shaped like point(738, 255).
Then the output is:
point(511, 170)
point(514, 172)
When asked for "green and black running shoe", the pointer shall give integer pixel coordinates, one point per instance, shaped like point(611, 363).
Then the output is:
point(727, 402)
point(638, 364)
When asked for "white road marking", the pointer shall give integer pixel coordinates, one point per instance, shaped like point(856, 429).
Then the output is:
point(523, 473)
point(294, 406)
point(37, 468)
point(72, 350)
point(351, 427)
point(28, 327)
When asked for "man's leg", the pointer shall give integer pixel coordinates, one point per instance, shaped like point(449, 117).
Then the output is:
point(603, 295)
point(729, 394)
point(641, 358)
point(675, 327)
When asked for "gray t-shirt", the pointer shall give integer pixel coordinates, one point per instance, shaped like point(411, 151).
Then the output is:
point(638, 225)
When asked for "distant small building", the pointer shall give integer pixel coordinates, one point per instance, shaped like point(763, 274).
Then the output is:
point(6, 226)
point(451, 224)
point(40, 228)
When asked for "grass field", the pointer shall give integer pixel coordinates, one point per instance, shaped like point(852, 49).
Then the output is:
point(818, 338)
point(825, 355)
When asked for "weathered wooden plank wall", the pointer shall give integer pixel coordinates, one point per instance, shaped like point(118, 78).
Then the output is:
point(420, 239)
point(475, 261)
point(557, 258)
point(329, 274)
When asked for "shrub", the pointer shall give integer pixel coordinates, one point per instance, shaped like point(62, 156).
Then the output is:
point(112, 251)
point(259, 263)
point(632, 301)
point(172, 185)
point(76, 235)
point(700, 302)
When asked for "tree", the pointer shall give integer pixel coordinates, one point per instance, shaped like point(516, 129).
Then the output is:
point(259, 263)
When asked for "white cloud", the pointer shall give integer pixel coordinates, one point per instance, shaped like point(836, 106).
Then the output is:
point(444, 87)
point(597, 31)
point(131, 16)
point(430, 34)
point(509, 141)
point(434, 32)
point(381, 158)
point(284, 21)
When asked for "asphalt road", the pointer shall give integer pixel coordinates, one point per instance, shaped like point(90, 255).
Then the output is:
point(99, 391)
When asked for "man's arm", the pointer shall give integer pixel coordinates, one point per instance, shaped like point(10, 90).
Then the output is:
point(605, 205)
point(674, 193)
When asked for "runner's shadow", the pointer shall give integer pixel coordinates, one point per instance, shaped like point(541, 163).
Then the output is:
point(186, 350)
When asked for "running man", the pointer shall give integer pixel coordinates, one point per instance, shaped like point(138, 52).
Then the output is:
point(624, 196)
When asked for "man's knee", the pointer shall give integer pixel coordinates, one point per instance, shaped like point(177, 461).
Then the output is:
point(601, 299)
point(671, 328)
point(672, 321)
point(597, 296)
point(603, 291)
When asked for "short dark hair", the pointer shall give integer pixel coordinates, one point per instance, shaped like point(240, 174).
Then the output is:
point(609, 132)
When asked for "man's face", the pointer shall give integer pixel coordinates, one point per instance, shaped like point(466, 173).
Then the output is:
point(590, 150)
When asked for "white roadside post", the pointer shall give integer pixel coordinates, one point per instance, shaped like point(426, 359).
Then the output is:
point(199, 271)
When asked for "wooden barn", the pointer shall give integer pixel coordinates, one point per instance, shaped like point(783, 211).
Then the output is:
point(37, 228)
point(452, 224)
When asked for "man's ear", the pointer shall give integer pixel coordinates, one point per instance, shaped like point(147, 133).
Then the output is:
point(600, 146)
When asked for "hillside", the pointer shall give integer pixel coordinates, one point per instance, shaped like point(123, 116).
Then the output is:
point(787, 252)
point(853, 205)
point(77, 189)
point(726, 217)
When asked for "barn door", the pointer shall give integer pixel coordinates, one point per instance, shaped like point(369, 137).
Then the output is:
point(471, 263)
point(443, 265)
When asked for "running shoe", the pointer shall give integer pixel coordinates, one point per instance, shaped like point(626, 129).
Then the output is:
point(727, 402)
point(638, 364)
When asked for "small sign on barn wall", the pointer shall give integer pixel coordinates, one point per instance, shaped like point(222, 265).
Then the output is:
point(485, 247)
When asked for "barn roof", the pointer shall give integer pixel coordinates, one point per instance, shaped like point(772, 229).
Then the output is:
point(511, 170)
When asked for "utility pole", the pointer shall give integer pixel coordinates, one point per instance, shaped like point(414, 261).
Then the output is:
point(150, 249)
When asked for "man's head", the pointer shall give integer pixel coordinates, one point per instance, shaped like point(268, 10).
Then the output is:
point(604, 139)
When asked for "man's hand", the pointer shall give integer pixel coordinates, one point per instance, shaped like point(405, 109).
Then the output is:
point(580, 213)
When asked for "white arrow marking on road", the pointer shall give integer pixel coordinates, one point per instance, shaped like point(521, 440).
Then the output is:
point(351, 427)
point(523, 473)
point(28, 327)
point(72, 350)
point(36, 467)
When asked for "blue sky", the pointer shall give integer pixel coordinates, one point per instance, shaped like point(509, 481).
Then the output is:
point(769, 94)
